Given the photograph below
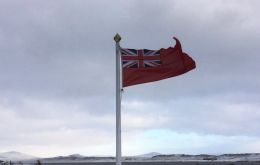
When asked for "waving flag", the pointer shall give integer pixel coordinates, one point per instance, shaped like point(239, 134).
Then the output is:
point(143, 65)
point(143, 58)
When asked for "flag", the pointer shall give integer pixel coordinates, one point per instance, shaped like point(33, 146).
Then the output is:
point(143, 65)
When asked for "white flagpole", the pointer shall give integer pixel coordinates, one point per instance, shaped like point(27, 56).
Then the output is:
point(117, 39)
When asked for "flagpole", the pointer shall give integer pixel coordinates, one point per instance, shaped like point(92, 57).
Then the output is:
point(117, 39)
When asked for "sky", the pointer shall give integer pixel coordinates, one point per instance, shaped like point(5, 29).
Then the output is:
point(57, 77)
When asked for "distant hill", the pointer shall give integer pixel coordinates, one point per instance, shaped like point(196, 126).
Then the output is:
point(205, 157)
point(78, 158)
point(15, 156)
point(149, 155)
point(153, 156)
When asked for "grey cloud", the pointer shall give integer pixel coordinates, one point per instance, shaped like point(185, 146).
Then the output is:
point(59, 56)
point(216, 115)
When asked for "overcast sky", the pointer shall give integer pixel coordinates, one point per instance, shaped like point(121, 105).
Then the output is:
point(57, 77)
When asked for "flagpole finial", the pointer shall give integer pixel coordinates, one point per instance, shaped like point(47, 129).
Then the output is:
point(117, 37)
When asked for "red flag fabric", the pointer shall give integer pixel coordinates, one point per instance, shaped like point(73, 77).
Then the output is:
point(143, 65)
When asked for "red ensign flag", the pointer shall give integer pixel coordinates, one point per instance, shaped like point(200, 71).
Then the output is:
point(142, 66)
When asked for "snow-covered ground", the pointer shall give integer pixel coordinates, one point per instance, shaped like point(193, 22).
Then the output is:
point(204, 157)
point(160, 158)
point(150, 157)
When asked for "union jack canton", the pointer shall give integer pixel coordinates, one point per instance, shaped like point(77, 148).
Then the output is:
point(142, 58)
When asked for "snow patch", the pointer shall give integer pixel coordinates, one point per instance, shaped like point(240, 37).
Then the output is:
point(15, 156)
